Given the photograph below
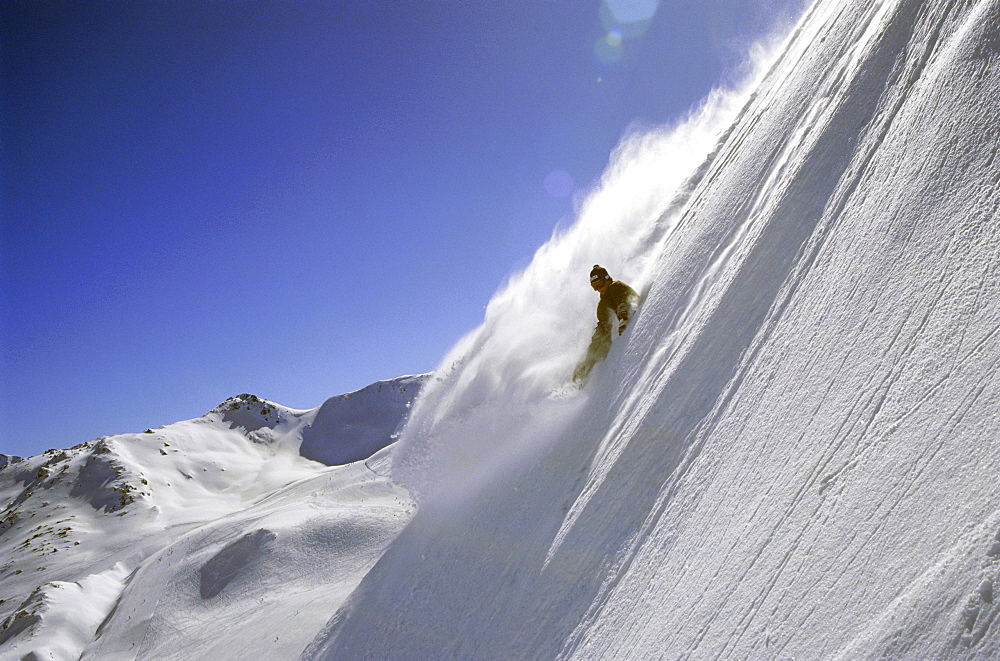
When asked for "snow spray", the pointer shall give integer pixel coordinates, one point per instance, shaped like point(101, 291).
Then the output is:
point(501, 393)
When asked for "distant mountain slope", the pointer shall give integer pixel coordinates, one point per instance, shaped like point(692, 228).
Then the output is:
point(354, 426)
point(6, 459)
point(80, 527)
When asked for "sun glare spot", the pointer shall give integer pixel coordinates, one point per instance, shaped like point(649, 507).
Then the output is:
point(607, 51)
point(632, 11)
point(623, 19)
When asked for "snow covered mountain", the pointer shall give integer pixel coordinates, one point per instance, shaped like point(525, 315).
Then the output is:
point(116, 533)
point(793, 452)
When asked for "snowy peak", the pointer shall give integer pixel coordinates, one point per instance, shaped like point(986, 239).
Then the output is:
point(251, 413)
point(240, 450)
point(342, 430)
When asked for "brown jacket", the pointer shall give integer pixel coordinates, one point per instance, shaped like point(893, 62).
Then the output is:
point(618, 302)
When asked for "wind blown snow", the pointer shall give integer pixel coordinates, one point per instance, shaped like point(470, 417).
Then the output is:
point(503, 390)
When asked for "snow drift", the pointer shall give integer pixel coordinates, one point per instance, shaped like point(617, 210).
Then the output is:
point(794, 450)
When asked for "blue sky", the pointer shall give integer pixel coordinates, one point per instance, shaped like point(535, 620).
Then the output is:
point(296, 199)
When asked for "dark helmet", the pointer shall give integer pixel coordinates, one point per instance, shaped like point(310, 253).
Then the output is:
point(598, 273)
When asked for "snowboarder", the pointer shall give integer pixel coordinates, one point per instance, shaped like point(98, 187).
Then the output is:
point(618, 300)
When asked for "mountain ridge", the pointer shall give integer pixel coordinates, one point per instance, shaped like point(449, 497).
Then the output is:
point(77, 523)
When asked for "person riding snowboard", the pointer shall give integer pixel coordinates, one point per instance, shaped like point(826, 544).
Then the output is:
point(618, 301)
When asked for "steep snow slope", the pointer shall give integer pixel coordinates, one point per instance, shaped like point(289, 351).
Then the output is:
point(223, 505)
point(794, 452)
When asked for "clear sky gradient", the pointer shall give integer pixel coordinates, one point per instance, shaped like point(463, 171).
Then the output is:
point(296, 199)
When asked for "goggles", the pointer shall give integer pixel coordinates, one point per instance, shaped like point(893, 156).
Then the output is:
point(596, 278)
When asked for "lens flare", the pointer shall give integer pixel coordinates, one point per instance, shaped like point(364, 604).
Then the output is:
point(632, 11)
point(609, 50)
point(622, 19)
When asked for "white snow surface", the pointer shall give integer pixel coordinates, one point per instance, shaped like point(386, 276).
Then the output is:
point(793, 452)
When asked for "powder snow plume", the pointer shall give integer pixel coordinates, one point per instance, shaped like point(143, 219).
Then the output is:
point(504, 388)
